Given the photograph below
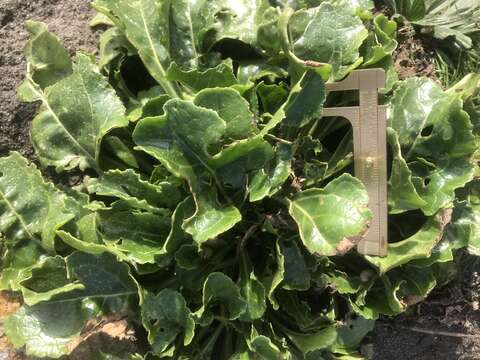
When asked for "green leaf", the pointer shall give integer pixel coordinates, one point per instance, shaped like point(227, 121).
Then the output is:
point(46, 329)
point(114, 44)
point(464, 230)
point(418, 246)
point(296, 274)
point(17, 264)
point(412, 102)
point(402, 193)
point(48, 61)
point(351, 334)
point(166, 316)
point(231, 107)
point(319, 340)
point(305, 102)
point(210, 219)
point(333, 219)
point(273, 275)
point(47, 279)
point(102, 277)
point(221, 298)
point(224, 20)
point(127, 185)
point(180, 139)
point(30, 209)
point(435, 135)
point(267, 182)
point(197, 80)
point(145, 22)
point(252, 290)
point(76, 113)
point(140, 236)
point(330, 34)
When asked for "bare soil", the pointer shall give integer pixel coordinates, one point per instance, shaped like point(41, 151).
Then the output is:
point(446, 326)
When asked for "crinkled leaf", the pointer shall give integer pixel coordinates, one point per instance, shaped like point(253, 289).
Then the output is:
point(225, 20)
point(351, 334)
point(129, 186)
point(210, 219)
point(333, 219)
point(113, 43)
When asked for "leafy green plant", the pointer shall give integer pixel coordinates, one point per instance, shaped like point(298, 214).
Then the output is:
point(219, 213)
point(443, 19)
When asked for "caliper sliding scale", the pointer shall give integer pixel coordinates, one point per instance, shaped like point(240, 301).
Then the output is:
point(370, 150)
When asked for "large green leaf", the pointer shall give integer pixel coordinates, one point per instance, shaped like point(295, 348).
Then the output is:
point(180, 140)
point(76, 113)
point(166, 316)
point(332, 220)
point(433, 149)
point(329, 34)
point(47, 329)
point(30, 209)
point(101, 276)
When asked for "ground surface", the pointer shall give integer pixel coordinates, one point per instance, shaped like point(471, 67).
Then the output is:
point(445, 326)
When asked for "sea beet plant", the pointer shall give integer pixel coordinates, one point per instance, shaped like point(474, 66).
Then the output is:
point(218, 212)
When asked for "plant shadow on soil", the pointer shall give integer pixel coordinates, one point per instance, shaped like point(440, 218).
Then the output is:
point(452, 308)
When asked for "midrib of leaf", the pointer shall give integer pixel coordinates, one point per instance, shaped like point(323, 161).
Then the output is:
point(167, 86)
point(76, 143)
point(191, 29)
point(92, 125)
point(94, 297)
